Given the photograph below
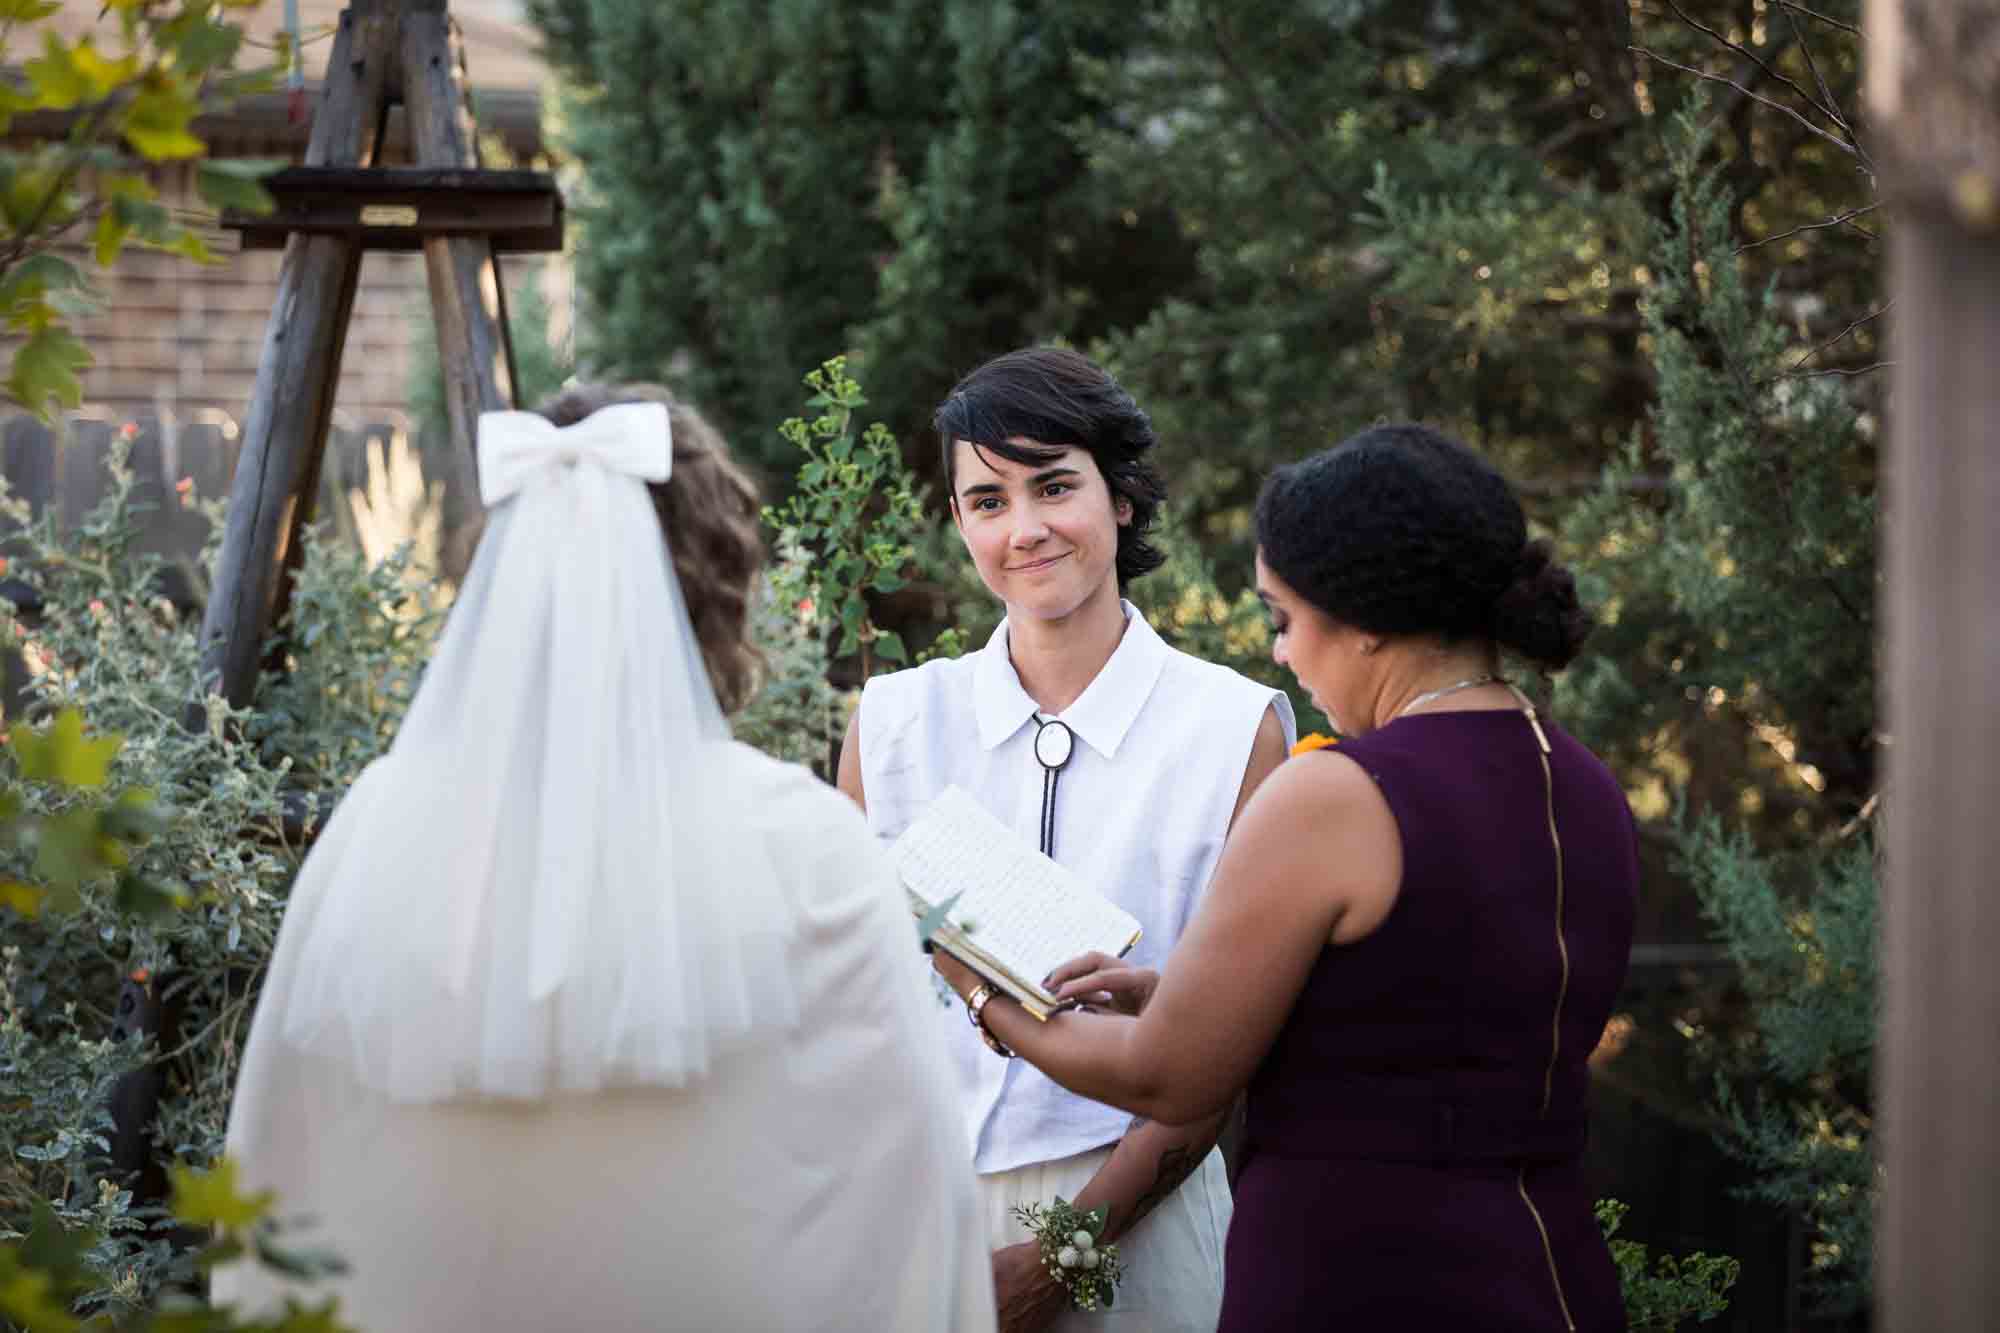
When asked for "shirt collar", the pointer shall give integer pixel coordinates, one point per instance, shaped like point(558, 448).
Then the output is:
point(1101, 716)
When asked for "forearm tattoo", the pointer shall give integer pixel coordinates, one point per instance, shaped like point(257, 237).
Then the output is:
point(1176, 1164)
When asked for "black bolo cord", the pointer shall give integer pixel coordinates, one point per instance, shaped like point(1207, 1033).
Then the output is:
point(1054, 743)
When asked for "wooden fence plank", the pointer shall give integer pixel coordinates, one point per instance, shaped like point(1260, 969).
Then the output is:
point(1934, 89)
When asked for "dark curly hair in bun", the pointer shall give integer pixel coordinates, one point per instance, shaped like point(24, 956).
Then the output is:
point(1402, 530)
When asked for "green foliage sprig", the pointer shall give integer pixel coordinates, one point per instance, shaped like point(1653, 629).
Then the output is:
point(131, 90)
point(51, 1269)
point(848, 531)
point(73, 836)
point(1664, 1293)
point(798, 715)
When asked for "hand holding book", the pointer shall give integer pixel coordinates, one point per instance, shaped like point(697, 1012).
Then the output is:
point(1105, 982)
point(998, 905)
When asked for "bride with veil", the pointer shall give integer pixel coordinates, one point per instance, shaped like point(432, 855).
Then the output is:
point(584, 1015)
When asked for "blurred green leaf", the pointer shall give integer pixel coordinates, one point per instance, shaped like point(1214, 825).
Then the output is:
point(57, 82)
point(205, 43)
point(28, 1298)
point(305, 1265)
point(54, 1248)
point(108, 239)
point(141, 897)
point(34, 276)
point(24, 899)
point(27, 11)
point(190, 245)
point(45, 372)
point(61, 753)
point(156, 125)
point(236, 183)
point(102, 76)
point(70, 848)
point(34, 196)
point(213, 1198)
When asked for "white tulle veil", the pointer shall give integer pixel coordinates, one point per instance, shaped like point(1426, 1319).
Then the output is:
point(536, 890)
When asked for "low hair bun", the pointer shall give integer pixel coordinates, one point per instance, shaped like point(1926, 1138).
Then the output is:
point(1539, 616)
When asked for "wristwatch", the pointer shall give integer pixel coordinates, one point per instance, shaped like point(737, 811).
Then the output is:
point(975, 1010)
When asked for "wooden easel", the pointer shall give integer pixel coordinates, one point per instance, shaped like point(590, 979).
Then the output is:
point(329, 212)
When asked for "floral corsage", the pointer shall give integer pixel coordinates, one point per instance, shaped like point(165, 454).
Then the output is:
point(1089, 1272)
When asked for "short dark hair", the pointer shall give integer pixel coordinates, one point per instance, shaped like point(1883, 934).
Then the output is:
point(1061, 400)
point(711, 515)
point(1403, 530)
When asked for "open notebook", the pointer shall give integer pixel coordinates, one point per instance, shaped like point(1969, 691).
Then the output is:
point(1018, 913)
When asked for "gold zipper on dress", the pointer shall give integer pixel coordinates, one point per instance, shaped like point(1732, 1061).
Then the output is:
point(1562, 996)
point(1562, 945)
point(1548, 1250)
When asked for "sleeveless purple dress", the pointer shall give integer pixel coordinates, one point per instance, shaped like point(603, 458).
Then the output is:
point(1412, 1145)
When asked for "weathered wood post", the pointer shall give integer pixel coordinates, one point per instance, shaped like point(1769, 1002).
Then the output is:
point(1934, 92)
point(468, 300)
point(284, 434)
point(340, 204)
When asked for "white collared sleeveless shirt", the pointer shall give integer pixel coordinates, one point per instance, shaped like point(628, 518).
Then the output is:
point(1141, 812)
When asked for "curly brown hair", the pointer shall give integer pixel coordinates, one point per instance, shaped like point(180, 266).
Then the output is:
point(709, 510)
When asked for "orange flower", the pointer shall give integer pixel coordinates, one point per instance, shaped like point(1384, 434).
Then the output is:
point(1307, 744)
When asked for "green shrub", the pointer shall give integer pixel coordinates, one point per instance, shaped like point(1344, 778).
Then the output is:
point(234, 798)
point(1664, 1293)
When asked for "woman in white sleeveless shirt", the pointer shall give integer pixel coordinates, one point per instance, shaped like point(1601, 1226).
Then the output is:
point(1044, 454)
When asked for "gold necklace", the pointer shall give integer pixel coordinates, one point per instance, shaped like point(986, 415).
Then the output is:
point(1430, 696)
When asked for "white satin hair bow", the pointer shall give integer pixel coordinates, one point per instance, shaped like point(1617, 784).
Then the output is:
point(632, 439)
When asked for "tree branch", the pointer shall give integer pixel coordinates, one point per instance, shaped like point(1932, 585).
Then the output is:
point(1827, 19)
point(1813, 352)
point(1816, 226)
point(1837, 370)
point(1819, 79)
point(1866, 813)
point(1276, 124)
point(1838, 142)
point(1769, 71)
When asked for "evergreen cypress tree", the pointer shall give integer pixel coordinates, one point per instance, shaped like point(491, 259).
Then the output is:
point(770, 182)
point(1744, 605)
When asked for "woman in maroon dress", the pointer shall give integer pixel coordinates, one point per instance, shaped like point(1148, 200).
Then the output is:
point(1412, 941)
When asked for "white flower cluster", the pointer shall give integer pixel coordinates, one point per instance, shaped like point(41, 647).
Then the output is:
point(1067, 1237)
point(1081, 1252)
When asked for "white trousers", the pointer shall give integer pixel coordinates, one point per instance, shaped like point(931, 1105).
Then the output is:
point(1173, 1258)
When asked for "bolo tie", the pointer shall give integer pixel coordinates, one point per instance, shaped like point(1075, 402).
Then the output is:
point(1054, 743)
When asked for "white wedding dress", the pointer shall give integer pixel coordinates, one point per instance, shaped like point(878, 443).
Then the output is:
point(819, 1183)
point(584, 1016)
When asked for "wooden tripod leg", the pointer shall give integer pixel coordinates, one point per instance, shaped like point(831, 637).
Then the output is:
point(467, 302)
point(277, 472)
